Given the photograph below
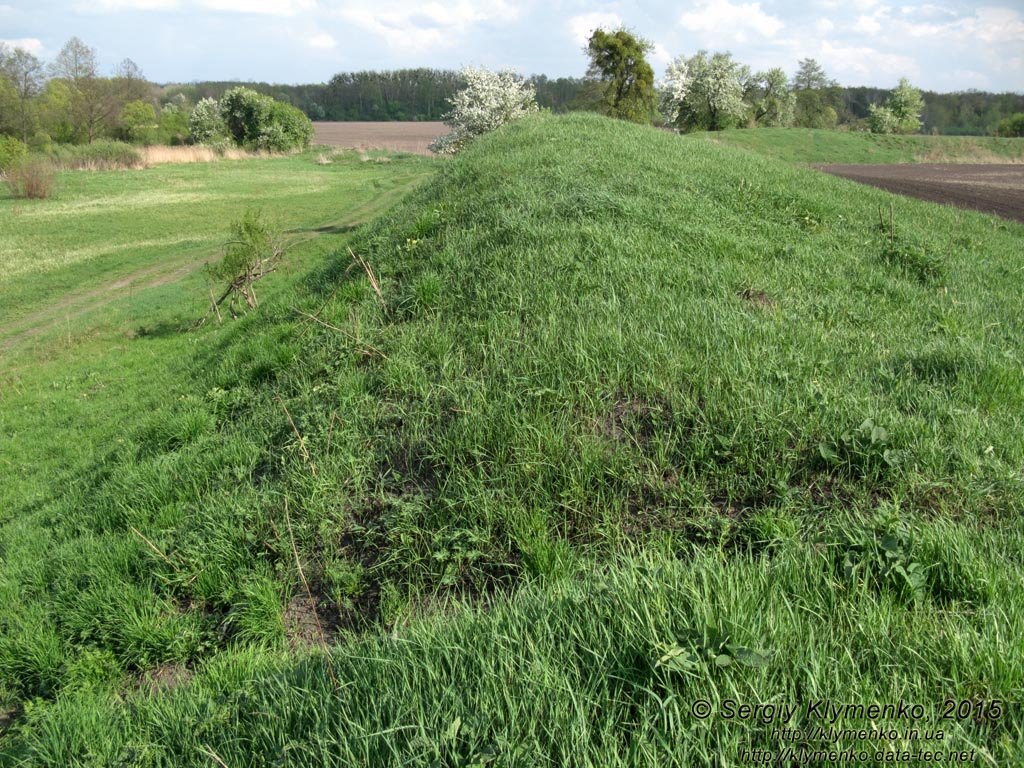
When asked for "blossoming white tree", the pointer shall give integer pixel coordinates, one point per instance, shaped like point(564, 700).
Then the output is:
point(489, 100)
point(705, 92)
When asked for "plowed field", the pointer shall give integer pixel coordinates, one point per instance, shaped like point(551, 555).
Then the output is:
point(398, 137)
point(995, 189)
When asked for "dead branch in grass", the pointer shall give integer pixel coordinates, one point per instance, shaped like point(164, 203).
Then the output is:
point(369, 274)
point(302, 443)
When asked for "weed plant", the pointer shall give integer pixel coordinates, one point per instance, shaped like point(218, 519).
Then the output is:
point(98, 156)
point(30, 178)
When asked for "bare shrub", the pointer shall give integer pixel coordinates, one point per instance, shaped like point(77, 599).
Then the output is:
point(31, 178)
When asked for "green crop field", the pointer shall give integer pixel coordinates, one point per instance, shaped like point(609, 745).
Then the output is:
point(604, 434)
point(806, 145)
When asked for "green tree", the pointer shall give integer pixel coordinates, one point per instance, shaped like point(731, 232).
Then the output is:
point(24, 72)
point(173, 126)
point(138, 122)
point(772, 103)
point(810, 76)
point(1011, 127)
point(90, 108)
point(816, 96)
point(617, 61)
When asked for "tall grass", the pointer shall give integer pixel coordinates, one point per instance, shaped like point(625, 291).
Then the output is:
point(154, 155)
point(98, 156)
point(599, 423)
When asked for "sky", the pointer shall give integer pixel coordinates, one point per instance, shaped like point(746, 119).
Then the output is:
point(945, 45)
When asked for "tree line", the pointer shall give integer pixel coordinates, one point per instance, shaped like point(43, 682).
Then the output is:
point(69, 100)
point(424, 94)
point(394, 95)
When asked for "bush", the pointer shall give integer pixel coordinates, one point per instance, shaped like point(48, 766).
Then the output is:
point(255, 120)
point(138, 123)
point(11, 151)
point(254, 251)
point(173, 129)
point(98, 156)
point(882, 120)
point(489, 100)
point(31, 177)
point(287, 128)
point(1012, 127)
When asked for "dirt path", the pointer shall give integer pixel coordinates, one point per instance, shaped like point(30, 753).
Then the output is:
point(997, 189)
point(73, 306)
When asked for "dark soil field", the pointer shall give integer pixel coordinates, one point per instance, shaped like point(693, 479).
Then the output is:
point(995, 189)
point(395, 136)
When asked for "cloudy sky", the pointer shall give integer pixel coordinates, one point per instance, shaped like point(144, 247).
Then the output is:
point(943, 45)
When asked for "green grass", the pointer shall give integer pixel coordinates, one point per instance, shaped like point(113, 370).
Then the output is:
point(99, 228)
point(629, 411)
point(805, 145)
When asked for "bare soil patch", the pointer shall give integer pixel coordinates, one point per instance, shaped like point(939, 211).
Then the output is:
point(394, 136)
point(997, 189)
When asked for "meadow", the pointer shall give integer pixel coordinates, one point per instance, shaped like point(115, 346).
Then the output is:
point(806, 145)
point(594, 435)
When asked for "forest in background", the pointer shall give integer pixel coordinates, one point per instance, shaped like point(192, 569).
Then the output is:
point(421, 94)
point(69, 101)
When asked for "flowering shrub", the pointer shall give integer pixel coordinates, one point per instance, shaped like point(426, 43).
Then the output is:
point(489, 100)
point(704, 92)
point(205, 125)
point(901, 113)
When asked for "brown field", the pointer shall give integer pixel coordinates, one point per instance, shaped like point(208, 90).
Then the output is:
point(394, 136)
point(995, 189)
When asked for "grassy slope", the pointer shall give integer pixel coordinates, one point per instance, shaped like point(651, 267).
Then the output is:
point(597, 337)
point(805, 145)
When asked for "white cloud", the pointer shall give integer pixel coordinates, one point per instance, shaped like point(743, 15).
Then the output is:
point(856, 63)
point(117, 6)
point(259, 7)
point(927, 11)
point(824, 26)
point(660, 58)
point(972, 79)
point(718, 15)
point(867, 24)
point(988, 25)
point(583, 26)
point(30, 44)
point(847, 5)
point(322, 40)
point(410, 27)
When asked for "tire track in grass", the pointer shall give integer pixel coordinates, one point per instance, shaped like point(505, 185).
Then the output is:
point(75, 305)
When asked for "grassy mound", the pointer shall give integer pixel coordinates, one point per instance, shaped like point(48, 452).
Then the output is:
point(806, 145)
point(793, 433)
